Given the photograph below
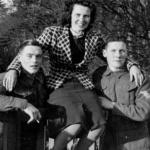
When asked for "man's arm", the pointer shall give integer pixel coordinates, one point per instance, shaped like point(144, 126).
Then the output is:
point(9, 102)
point(140, 110)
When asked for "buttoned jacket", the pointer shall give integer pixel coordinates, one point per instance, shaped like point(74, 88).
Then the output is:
point(131, 111)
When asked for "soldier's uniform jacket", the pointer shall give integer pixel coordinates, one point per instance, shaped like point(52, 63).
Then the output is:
point(131, 112)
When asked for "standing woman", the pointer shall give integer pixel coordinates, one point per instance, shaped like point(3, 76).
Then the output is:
point(71, 48)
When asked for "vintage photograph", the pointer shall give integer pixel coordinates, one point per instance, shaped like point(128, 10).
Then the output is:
point(74, 75)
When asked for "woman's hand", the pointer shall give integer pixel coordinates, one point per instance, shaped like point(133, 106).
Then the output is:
point(136, 74)
point(10, 80)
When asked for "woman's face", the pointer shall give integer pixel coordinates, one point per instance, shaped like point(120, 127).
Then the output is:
point(80, 17)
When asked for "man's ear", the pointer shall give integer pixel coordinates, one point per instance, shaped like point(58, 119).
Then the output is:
point(104, 52)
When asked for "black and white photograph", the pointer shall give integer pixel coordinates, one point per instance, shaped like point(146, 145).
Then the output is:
point(74, 75)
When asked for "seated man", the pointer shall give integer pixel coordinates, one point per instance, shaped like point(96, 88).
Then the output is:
point(29, 96)
point(128, 105)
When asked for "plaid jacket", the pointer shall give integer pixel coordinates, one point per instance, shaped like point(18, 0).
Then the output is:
point(56, 41)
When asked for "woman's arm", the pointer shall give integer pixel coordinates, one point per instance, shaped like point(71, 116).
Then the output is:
point(46, 37)
point(15, 64)
point(10, 77)
point(135, 72)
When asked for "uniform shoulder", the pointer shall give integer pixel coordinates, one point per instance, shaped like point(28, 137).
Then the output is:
point(97, 75)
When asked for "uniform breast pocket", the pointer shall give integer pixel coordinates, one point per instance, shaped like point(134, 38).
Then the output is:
point(131, 91)
point(103, 87)
point(126, 93)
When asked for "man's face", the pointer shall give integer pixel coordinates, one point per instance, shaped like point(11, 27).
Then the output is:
point(116, 54)
point(31, 58)
point(80, 17)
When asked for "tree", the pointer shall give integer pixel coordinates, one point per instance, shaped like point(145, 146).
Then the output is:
point(131, 18)
point(26, 21)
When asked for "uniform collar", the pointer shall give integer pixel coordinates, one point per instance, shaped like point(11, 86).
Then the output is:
point(119, 73)
point(37, 76)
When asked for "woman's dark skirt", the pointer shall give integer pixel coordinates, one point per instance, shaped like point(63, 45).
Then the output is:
point(81, 105)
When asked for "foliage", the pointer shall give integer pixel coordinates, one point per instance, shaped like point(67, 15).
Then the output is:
point(131, 18)
point(27, 18)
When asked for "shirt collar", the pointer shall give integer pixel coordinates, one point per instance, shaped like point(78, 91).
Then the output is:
point(37, 76)
point(108, 72)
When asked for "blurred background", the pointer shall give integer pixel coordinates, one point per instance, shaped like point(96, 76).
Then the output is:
point(24, 19)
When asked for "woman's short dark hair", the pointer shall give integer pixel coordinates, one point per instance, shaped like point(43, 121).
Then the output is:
point(29, 42)
point(69, 4)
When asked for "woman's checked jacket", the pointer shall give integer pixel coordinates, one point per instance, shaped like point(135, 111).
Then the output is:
point(56, 41)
